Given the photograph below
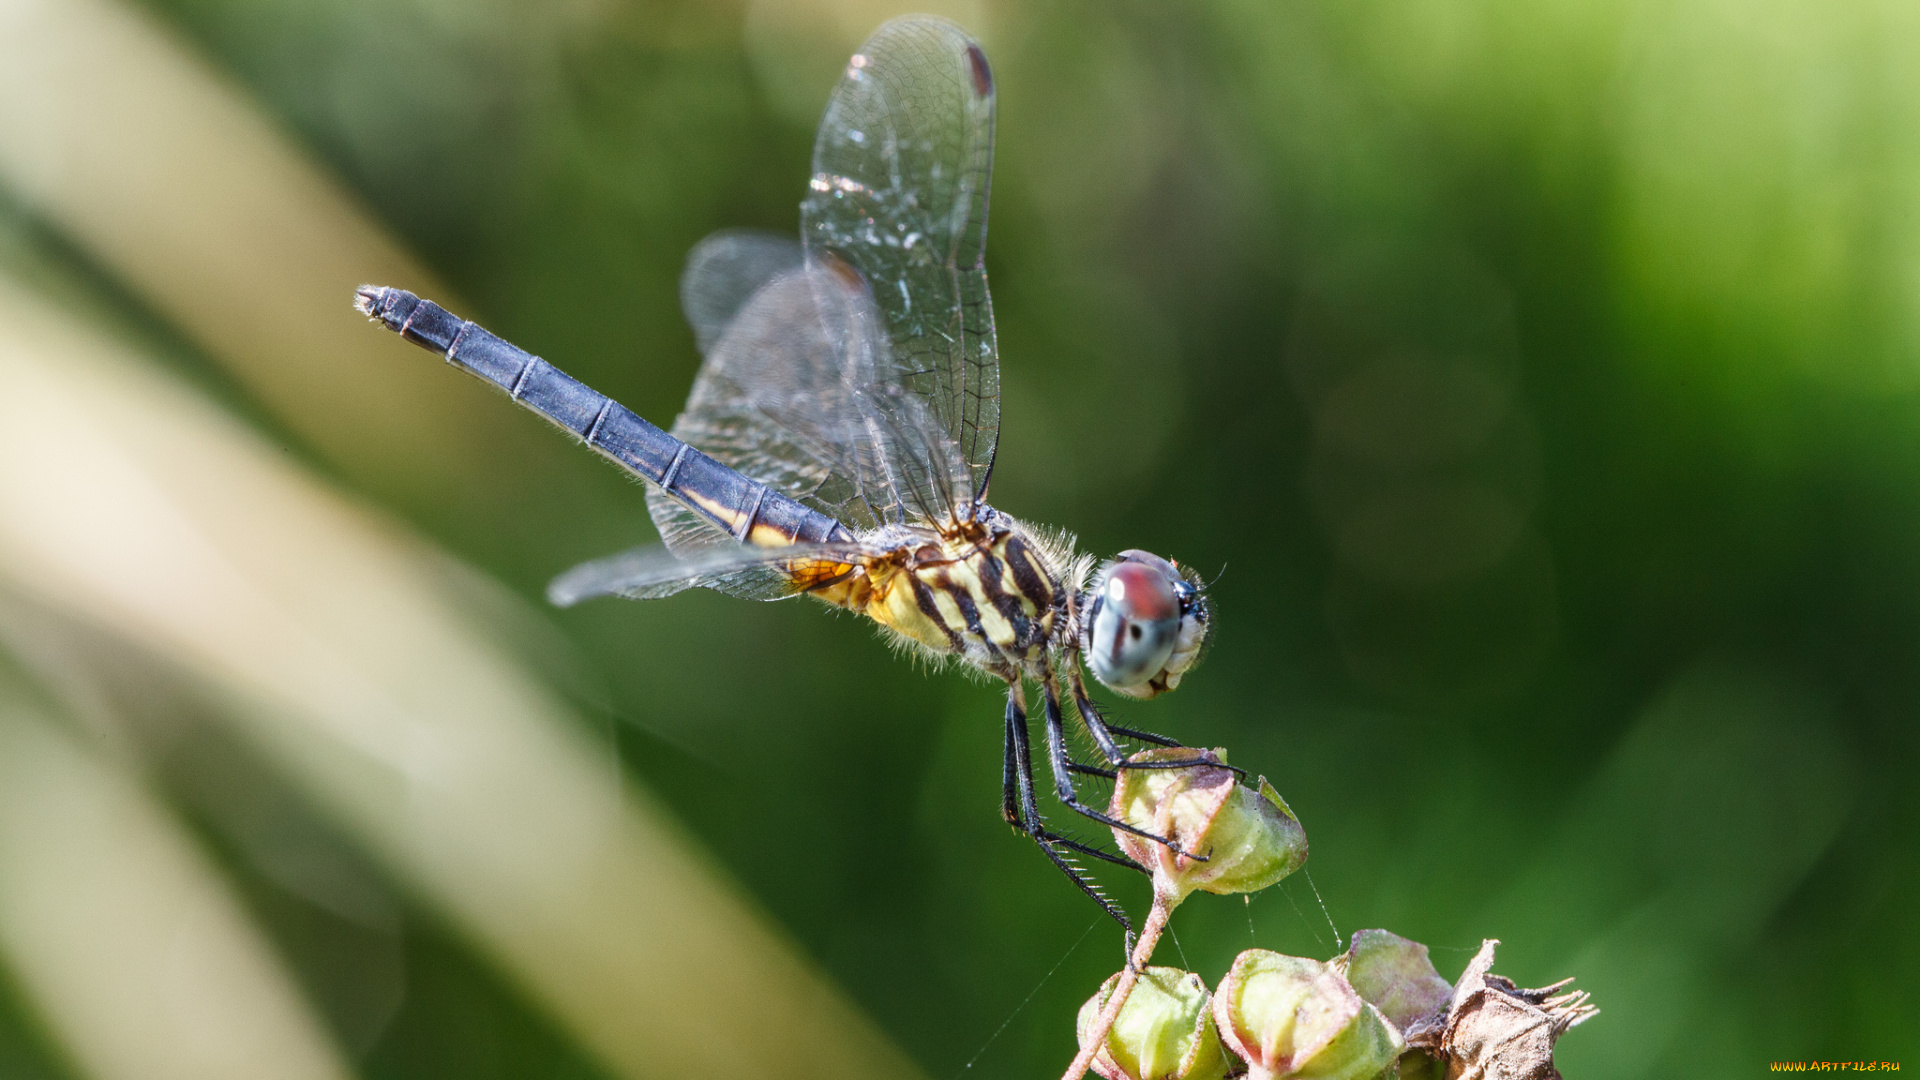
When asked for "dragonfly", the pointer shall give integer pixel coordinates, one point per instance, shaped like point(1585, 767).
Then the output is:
point(842, 430)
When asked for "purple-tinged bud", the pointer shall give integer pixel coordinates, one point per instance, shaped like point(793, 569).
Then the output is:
point(1164, 1031)
point(1247, 839)
point(1395, 976)
point(1287, 1016)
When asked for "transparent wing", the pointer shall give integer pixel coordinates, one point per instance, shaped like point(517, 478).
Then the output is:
point(800, 393)
point(655, 571)
point(873, 408)
point(724, 271)
point(899, 191)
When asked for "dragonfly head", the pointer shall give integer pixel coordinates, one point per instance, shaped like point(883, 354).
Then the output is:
point(1144, 622)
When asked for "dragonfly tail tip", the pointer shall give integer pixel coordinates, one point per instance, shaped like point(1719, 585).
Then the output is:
point(385, 304)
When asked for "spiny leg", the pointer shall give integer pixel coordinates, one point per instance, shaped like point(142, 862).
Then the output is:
point(1017, 802)
point(1143, 736)
point(1103, 733)
point(1010, 773)
point(1022, 811)
point(1096, 724)
point(1064, 768)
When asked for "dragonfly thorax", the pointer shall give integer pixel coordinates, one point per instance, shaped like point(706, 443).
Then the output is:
point(978, 590)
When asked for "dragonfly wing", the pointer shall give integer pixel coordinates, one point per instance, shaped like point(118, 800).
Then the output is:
point(681, 529)
point(655, 571)
point(799, 392)
point(899, 191)
point(724, 271)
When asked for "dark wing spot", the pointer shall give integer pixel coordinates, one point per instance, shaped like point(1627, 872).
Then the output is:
point(982, 75)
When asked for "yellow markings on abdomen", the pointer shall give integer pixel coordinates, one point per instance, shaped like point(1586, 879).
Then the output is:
point(713, 509)
point(769, 536)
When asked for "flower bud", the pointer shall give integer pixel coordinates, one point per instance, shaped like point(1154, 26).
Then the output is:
point(1396, 976)
point(1247, 840)
point(1164, 1031)
point(1288, 1016)
point(1493, 1028)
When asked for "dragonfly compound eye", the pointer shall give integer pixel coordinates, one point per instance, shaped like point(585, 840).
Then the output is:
point(1133, 624)
point(1146, 622)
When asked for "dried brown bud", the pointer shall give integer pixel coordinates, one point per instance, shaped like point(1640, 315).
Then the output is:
point(1493, 1028)
point(1164, 1031)
point(1247, 839)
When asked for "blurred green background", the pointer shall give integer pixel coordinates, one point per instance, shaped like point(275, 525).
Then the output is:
point(1545, 376)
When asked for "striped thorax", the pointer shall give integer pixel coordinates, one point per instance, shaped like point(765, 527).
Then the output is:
point(983, 591)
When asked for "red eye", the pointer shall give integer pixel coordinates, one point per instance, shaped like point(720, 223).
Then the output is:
point(1142, 592)
point(1133, 624)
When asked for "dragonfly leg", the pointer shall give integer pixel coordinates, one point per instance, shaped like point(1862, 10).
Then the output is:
point(1143, 736)
point(1103, 736)
point(1010, 785)
point(1063, 770)
point(1018, 804)
point(1022, 811)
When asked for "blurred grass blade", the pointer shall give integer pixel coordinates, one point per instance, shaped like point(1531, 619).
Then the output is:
point(132, 504)
point(121, 934)
point(159, 170)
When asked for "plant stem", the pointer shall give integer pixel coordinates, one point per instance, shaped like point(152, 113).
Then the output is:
point(1163, 906)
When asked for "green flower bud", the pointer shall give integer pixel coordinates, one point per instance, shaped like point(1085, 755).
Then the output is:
point(1164, 1032)
point(1248, 840)
point(1396, 976)
point(1288, 1016)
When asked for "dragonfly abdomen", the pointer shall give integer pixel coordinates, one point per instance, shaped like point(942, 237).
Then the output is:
point(750, 510)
